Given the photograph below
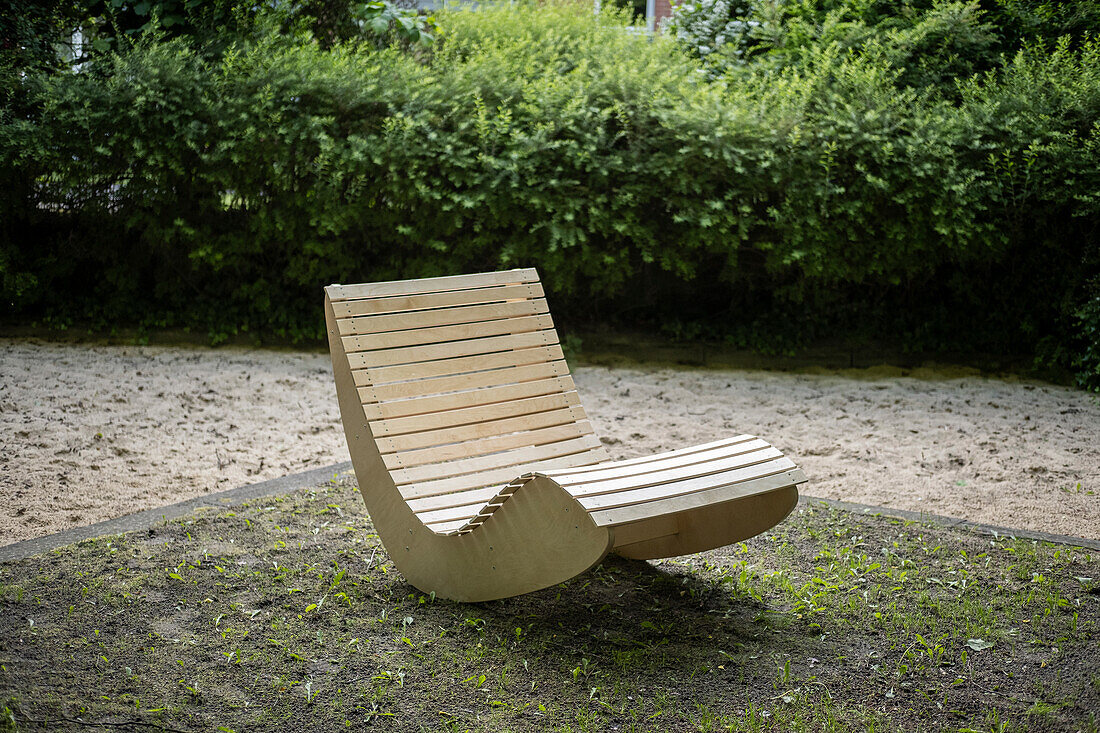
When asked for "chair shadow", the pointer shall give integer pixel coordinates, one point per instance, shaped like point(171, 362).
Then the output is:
point(638, 620)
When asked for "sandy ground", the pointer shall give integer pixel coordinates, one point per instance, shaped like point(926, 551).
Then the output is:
point(92, 432)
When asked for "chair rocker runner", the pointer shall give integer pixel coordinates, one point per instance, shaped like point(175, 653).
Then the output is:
point(476, 462)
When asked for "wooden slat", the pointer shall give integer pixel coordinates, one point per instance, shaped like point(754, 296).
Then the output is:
point(481, 413)
point(517, 457)
point(461, 382)
point(472, 499)
point(448, 527)
point(496, 477)
point(439, 453)
point(463, 365)
point(687, 461)
point(443, 334)
point(400, 303)
point(470, 398)
point(366, 325)
point(701, 483)
point(674, 475)
point(431, 284)
point(449, 515)
point(565, 473)
point(451, 512)
point(475, 431)
point(656, 489)
point(463, 506)
point(694, 500)
point(451, 350)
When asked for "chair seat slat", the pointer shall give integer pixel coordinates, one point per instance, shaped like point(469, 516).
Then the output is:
point(686, 486)
point(694, 499)
point(431, 508)
point(688, 464)
point(672, 475)
point(566, 473)
point(472, 499)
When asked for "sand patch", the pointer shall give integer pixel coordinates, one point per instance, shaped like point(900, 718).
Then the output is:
point(92, 432)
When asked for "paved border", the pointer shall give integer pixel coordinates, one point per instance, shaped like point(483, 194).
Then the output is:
point(313, 477)
point(954, 523)
point(149, 517)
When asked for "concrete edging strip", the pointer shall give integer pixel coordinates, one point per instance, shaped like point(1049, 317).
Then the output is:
point(313, 477)
point(149, 517)
point(953, 523)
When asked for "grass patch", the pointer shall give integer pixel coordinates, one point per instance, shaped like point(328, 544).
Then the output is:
point(287, 614)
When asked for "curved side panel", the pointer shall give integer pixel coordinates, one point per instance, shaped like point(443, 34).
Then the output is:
point(392, 517)
point(715, 525)
point(539, 537)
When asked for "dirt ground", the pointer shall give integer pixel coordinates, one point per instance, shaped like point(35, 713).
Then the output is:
point(287, 615)
point(92, 432)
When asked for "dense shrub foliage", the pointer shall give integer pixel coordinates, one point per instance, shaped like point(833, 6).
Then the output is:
point(915, 180)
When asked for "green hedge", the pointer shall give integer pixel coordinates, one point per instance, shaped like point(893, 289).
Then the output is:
point(770, 207)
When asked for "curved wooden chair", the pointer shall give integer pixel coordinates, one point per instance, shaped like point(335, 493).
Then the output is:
point(475, 460)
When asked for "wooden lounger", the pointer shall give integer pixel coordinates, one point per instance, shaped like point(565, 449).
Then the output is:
point(479, 469)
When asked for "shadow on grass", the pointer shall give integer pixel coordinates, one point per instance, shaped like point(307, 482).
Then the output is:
point(287, 614)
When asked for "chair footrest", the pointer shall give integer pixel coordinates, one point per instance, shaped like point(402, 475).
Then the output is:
point(695, 500)
point(625, 491)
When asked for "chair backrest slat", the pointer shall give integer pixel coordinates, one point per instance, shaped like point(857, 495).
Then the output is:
point(468, 380)
point(425, 301)
point(472, 465)
point(484, 446)
point(444, 334)
point(468, 415)
point(496, 478)
point(441, 317)
point(432, 284)
point(462, 365)
point(451, 349)
point(444, 403)
point(481, 430)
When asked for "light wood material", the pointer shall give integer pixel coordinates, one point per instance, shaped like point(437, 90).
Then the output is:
point(470, 398)
point(436, 352)
point(479, 468)
point(444, 367)
point(369, 306)
point(443, 321)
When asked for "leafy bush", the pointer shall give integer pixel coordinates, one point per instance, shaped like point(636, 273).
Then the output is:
point(821, 188)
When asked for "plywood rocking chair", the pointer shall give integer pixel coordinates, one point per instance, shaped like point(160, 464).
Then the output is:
point(478, 467)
